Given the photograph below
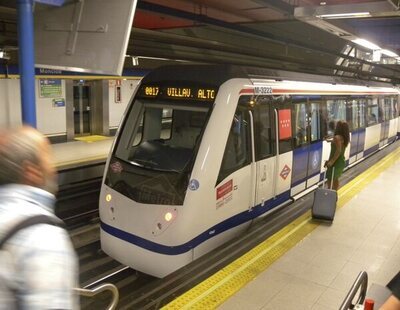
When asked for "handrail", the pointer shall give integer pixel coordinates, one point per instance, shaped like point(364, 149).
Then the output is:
point(361, 281)
point(276, 168)
point(253, 162)
point(99, 289)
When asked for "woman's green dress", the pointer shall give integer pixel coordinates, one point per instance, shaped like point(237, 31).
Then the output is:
point(339, 164)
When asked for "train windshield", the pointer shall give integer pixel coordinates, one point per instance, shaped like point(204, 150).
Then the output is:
point(155, 152)
point(161, 137)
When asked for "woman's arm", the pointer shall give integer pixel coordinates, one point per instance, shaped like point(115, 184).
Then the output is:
point(338, 140)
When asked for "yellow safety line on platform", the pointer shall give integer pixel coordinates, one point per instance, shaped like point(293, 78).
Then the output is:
point(215, 290)
point(92, 138)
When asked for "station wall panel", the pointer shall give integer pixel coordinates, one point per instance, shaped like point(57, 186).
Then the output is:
point(10, 103)
point(51, 116)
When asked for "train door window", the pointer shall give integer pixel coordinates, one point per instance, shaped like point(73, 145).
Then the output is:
point(336, 108)
point(324, 118)
point(390, 107)
point(362, 102)
point(384, 105)
point(381, 109)
point(352, 113)
point(262, 128)
point(283, 105)
point(317, 119)
point(394, 107)
point(300, 120)
point(372, 111)
point(238, 148)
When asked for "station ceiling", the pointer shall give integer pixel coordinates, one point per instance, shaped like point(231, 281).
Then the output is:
point(298, 35)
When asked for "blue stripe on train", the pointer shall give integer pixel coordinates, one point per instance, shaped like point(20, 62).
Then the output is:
point(357, 141)
point(371, 150)
point(306, 162)
point(229, 223)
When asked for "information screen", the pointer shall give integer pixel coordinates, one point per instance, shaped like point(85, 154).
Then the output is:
point(178, 92)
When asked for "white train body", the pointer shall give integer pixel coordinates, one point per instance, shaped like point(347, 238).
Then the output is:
point(174, 192)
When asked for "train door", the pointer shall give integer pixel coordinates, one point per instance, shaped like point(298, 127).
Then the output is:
point(309, 118)
point(384, 118)
point(355, 113)
point(317, 121)
point(282, 135)
point(235, 183)
point(263, 116)
point(82, 108)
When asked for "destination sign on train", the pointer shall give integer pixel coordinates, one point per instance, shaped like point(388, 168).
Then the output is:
point(188, 93)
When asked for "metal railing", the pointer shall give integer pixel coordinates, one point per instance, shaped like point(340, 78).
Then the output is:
point(99, 289)
point(361, 283)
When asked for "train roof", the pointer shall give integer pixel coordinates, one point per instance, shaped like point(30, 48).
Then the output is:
point(218, 74)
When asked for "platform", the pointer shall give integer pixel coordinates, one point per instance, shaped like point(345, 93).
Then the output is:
point(312, 265)
point(87, 150)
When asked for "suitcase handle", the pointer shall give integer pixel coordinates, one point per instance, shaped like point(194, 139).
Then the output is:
point(325, 179)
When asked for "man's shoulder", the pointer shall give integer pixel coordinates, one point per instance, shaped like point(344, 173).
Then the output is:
point(40, 235)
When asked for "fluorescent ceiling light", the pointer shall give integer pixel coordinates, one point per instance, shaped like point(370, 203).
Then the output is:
point(389, 53)
point(366, 44)
point(344, 15)
point(1, 54)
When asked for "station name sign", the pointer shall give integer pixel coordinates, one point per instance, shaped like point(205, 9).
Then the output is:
point(178, 92)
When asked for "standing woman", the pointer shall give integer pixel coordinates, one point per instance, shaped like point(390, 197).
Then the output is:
point(336, 162)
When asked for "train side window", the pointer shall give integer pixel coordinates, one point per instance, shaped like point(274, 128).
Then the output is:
point(262, 131)
point(238, 146)
point(300, 123)
point(372, 111)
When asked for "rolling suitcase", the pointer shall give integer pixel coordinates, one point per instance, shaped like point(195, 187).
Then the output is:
point(324, 205)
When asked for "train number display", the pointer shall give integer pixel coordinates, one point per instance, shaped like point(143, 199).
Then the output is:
point(171, 92)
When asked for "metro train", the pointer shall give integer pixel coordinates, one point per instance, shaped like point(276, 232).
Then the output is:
point(203, 151)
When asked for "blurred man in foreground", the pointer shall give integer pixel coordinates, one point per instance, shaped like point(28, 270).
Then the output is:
point(38, 265)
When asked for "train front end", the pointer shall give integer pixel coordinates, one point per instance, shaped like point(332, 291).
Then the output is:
point(147, 176)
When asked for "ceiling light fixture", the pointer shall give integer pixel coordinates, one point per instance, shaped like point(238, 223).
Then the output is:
point(366, 43)
point(389, 53)
point(344, 15)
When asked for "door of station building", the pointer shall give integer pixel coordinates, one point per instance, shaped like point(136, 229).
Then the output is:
point(82, 108)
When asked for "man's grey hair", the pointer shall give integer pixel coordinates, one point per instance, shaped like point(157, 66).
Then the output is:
point(16, 148)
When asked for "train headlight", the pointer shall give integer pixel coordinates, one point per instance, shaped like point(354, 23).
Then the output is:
point(164, 220)
point(108, 197)
point(168, 216)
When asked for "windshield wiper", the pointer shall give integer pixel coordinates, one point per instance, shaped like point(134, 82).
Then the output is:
point(153, 165)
